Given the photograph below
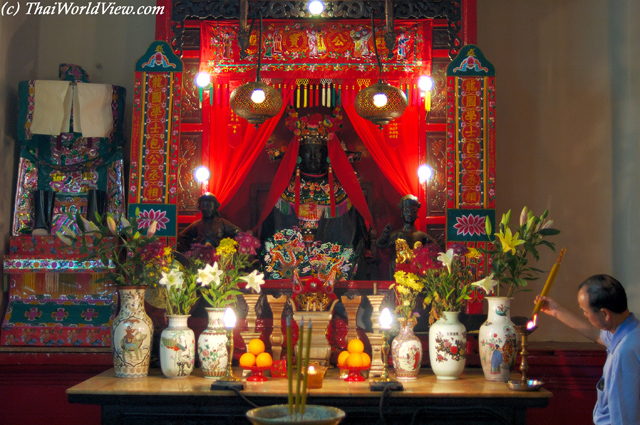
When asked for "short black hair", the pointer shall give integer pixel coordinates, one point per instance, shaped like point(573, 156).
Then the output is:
point(410, 198)
point(605, 291)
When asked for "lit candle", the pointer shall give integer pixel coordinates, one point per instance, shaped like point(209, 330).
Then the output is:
point(547, 285)
point(316, 376)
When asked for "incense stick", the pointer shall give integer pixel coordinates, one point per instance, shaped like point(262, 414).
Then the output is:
point(289, 361)
point(299, 362)
point(306, 367)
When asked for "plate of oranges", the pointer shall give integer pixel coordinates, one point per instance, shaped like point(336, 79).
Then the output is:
point(355, 360)
point(256, 360)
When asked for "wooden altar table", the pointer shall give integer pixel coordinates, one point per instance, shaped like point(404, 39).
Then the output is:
point(156, 399)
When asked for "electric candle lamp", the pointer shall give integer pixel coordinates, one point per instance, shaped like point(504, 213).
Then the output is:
point(385, 324)
point(315, 7)
point(424, 173)
point(258, 96)
point(201, 174)
point(425, 83)
point(380, 100)
point(385, 319)
point(203, 79)
point(229, 320)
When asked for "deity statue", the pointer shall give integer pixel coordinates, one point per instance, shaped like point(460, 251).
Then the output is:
point(210, 229)
point(315, 226)
point(409, 206)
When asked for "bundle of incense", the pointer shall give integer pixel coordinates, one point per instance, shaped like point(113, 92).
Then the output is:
point(297, 406)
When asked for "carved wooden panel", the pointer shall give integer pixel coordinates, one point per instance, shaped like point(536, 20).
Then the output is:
point(191, 39)
point(438, 112)
point(437, 186)
point(191, 112)
point(437, 232)
point(440, 38)
point(190, 157)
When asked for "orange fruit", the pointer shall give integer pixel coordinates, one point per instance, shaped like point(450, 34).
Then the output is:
point(355, 346)
point(256, 346)
point(366, 360)
point(264, 360)
point(354, 360)
point(342, 358)
point(247, 360)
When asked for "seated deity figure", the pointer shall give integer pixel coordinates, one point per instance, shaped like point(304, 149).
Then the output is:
point(210, 229)
point(409, 206)
point(314, 226)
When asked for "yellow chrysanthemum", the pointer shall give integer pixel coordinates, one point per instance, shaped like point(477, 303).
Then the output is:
point(227, 247)
point(473, 254)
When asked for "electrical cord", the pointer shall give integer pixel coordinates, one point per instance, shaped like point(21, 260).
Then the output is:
point(242, 396)
point(384, 395)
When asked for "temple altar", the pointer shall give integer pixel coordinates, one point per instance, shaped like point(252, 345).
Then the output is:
point(157, 400)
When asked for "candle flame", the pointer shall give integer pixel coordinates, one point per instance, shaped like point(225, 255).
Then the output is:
point(532, 322)
point(311, 369)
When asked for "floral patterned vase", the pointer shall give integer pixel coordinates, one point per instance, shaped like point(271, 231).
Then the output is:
point(131, 334)
point(498, 341)
point(212, 345)
point(447, 346)
point(406, 351)
point(177, 348)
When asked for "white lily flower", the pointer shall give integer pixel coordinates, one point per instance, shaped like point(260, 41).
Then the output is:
point(254, 280)
point(523, 216)
point(210, 274)
point(111, 224)
point(446, 258)
point(152, 228)
point(487, 284)
point(171, 279)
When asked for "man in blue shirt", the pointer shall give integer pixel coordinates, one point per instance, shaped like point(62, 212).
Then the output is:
point(603, 302)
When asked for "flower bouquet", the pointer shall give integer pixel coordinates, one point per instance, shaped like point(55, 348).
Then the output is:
point(510, 251)
point(447, 283)
point(135, 258)
point(219, 271)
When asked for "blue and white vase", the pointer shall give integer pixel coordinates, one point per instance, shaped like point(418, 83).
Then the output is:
point(498, 341)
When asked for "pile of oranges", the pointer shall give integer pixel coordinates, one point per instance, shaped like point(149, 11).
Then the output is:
point(354, 356)
point(255, 357)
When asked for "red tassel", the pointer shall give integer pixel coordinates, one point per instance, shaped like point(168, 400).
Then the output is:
point(297, 201)
point(332, 194)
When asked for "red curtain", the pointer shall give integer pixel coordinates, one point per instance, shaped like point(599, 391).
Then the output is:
point(398, 159)
point(235, 144)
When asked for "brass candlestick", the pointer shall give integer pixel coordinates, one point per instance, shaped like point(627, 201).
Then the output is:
point(229, 380)
point(525, 384)
point(385, 381)
point(385, 376)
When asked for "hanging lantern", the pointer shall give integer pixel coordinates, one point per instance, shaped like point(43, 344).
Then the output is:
point(256, 101)
point(381, 102)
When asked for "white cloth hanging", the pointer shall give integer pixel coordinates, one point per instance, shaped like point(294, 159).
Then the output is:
point(52, 107)
point(53, 101)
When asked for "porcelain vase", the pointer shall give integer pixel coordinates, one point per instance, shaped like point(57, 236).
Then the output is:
point(498, 341)
point(212, 345)
point(447, 346)
point(406, 351)
point(177, 348)
point(131, 334)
